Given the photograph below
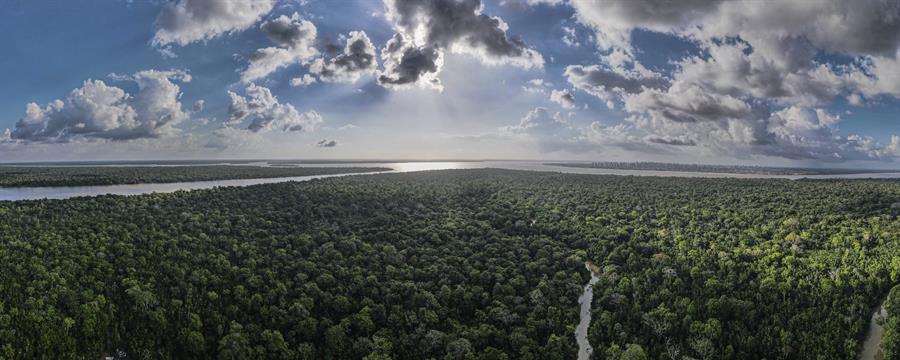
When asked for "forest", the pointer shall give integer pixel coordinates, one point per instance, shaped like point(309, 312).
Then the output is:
point(891, 337)
point(18, 176)
point(456, 264)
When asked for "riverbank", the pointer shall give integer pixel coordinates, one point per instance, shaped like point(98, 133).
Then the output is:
point(871, 348)
point(587, 297)
point(61, 176)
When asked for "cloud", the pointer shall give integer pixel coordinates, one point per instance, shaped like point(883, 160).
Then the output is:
point(357, 59)
point(564, 98)
point(766, 49)
point(876, 76)
point(738, 70)
point(266, 113)
point(406, 65)
point(671, 141)
point(756, 86)
point(100, 111)
point(227, 137)
point(198, 106)
point(795, 133)
point(185, 21)
point(427, 28)
point(691, 104)
point(614, 20)
point(844, 26)
point(304, 80)
point(549, 131)
point(166, 52)
point(295, 39)
point(538, 121)
point(531, 2)
point(618, 75)
point(606, 83)
point(553, 133)
point(289, 32)
point(536, 86)
point(324, 143)
point(805, 133)
point(571, 37)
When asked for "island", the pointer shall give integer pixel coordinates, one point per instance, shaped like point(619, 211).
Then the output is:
point(20, 176)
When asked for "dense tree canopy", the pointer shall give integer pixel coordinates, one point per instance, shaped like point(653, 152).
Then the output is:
point(464, 264)
point(891, 339)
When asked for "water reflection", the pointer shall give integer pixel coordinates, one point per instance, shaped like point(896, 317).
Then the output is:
point(30, 193)
point(871, 349)
point(581, 331)
point(65, 192)
point(423, 166)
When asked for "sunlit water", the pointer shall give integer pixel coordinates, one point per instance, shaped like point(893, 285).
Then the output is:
point(581, 331)
point(63, 192)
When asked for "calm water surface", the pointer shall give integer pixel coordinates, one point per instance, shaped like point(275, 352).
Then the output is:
point(871, 349)
point(581, 331)
point(64, 192)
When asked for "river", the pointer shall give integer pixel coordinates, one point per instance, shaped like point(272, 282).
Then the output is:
point(64, 192)
point(584, 323)
point(872, 346)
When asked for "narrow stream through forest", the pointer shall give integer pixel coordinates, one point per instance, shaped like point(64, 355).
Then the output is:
point(871, 349)
point(581, 331)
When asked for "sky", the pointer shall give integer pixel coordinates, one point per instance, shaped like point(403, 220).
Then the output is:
point(795, 83)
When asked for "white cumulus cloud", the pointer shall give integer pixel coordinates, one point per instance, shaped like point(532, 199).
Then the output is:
point(182, 22)
point(265, 113)
point(100, 111)
point(295, 39)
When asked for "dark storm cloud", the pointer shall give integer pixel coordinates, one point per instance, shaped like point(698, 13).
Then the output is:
point(439, 25)
point(324, 143)
point(287, 32)
point(357, 58)
point(405, 64)
point(601, 81)
point(449, 22)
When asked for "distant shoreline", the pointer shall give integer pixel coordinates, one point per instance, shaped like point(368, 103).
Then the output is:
point(719, 169)
point(67, 176)
point(231, 161)
point(609, 165)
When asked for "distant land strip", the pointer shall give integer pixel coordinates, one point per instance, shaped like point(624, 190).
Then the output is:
point(727, 169)
point(21, 176)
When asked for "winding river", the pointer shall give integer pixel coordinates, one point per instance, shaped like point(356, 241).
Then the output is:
point(581, 331)
point(872, 346)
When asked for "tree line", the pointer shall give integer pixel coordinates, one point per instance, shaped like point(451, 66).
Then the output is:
point(18, 176)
